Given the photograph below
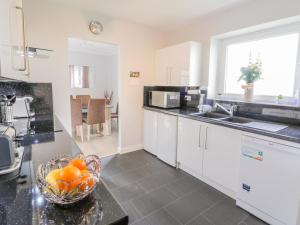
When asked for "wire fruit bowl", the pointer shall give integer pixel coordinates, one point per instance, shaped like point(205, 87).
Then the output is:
point(83, 187)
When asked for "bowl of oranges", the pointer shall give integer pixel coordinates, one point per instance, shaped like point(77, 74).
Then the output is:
point(68, 180)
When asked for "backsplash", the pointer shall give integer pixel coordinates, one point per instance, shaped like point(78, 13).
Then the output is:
point(41, 92)
point(273, 113)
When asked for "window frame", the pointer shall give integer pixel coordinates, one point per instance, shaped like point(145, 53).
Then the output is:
point(255, 36)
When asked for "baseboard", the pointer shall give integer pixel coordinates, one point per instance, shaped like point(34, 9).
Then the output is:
point(131, 148)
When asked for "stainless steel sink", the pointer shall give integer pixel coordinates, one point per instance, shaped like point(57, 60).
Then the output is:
point(211, 115)
point(236, 119)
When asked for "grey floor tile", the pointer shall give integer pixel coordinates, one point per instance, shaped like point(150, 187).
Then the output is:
point(252, 220)
point(184, 185)
point(211, 193)
point(142, 156)
point(159, 179)
point(189, 206)
point(153, 200)
point(128, 177)
point(160, 217)
point(199, 220)
point(132, 212)
point(226, 213)
point(128, 192)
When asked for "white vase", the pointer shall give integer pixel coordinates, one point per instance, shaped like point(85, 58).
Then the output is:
point(248, 92)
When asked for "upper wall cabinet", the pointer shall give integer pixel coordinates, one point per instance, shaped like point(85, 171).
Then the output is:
point(13, 55)
point(179, 65)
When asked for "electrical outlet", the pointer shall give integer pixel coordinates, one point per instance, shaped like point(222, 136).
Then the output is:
point(297, 115)
point(188, 98)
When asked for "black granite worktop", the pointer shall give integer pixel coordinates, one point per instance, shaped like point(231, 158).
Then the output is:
point(291, 133)
point(21, 202)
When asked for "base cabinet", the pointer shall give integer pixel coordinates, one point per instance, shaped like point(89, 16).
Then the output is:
point(209, 152)
point(190, 146)
point(221, 156)
point(150, 131)
point(167, 138)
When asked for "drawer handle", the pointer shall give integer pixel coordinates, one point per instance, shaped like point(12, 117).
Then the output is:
point(199, 142)
point(206, 133)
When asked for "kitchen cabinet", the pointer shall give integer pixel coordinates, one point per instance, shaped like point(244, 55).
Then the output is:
point(150, 131)
point(13, 57)
point(167, 138)
point(221, 156)
point(190, 146)
point(209, 152)
point(179, 65)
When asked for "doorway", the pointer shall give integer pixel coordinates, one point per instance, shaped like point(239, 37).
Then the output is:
point(94, 83)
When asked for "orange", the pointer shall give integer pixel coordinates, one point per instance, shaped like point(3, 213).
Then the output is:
point(86, 180)
point(69, 178)
point(79, 163)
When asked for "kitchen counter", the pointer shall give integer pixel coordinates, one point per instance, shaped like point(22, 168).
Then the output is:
point(291, 133)
point(22, 203)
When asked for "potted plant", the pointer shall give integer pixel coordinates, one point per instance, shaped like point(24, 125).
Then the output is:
point(250, 74)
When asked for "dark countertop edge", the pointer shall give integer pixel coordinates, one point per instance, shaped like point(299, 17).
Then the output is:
point(228, 124)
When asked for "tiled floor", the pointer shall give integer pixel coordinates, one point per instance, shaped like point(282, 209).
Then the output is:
point(101, 146)
point(153, 193)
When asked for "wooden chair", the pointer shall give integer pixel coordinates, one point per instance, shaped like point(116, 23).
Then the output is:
point(116, 114)
point(76, 116)
point(84, 100)
point(95, 115)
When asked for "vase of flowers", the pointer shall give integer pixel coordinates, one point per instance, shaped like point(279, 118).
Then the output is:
point(250, 75)
point(108, 97)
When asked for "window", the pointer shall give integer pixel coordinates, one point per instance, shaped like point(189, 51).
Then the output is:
point(278, 53)
point(79, 76)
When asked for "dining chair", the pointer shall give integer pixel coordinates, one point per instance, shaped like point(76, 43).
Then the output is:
point(95, 115)
point(76, 116)
point(115, 115)
point(84, 100)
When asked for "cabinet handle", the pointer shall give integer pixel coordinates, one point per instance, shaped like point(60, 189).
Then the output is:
point(206, 133)
point(24, 42)
point(199, 142)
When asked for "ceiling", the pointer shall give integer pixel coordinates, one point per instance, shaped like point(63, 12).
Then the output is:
point(77, 45)
point(165, 15)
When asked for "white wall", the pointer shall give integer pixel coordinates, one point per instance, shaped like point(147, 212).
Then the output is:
point(103, 70)
point(250, 14)
point(50, 25)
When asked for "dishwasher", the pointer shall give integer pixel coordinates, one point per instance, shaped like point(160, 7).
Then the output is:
point(269, 183)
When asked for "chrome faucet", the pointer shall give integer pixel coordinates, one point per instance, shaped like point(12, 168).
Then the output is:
point(231, 110)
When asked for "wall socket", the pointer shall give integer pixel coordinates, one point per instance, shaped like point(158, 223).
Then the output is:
point(188, 98)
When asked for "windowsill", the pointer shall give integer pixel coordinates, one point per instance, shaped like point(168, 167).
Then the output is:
point(261, 102)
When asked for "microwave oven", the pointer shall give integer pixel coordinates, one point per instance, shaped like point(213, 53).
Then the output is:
point(164, 99)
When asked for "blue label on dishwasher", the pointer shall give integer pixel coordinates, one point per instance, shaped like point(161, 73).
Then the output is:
point(246, 187)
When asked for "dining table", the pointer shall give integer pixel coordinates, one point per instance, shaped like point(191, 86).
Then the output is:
point(107, 124)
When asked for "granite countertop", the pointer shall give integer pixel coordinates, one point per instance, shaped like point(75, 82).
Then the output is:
point(22, 203)
point(291, 133)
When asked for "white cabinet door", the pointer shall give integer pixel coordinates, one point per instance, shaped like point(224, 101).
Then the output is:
point(190, 145)
point(150, 131)
point(179, 65)
point(167, 138)
point(14, 61)
point(221, 156)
